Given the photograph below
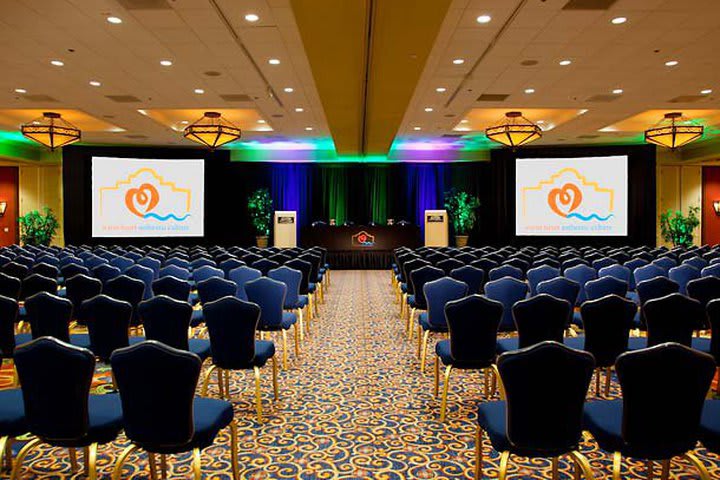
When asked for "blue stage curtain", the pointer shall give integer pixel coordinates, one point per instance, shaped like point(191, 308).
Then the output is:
point(291, 183)
point(424, 190)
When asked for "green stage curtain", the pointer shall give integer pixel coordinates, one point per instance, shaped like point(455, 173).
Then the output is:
point(334, 185)
point(376, 185)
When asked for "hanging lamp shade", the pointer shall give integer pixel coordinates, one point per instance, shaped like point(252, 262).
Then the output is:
point(514, 130)
point(51, 130)
point(674, 131)
point(212, 131)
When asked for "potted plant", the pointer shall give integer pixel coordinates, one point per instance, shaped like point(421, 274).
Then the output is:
point(260, 206)
point(38, 228)
point(677, 228)
point(461, 207)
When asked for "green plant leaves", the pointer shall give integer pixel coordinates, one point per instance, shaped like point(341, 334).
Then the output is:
point(461, 208)
point(37, 228)
point(678, 228)
point(260, 207)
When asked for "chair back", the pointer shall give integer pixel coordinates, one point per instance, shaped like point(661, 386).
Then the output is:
point(541, 318)
point(409, 267)
point(660, 417)
point(560, 287)
point(166, 320)
point(544, 412)
point(230, 264)
point(8, 316)
point(713, 313)
point(696, 262)
point(506, 270)
point(264, 265)
point(151, 263)
point(49, 316)
point(712, 270)
point(673, 318)
point(36, 283)
point(603, 262)
point(419, 278)
point(581, 274)
point(473, 277)
point(55, 378)
point(651, 271)
point(10, 286)
point(682, 274)
point(157, 389)
point(507, 291)
point(241, 276)
point(291, 278)
point(438, 293)
point(473, 323)
point(128, 289)
point(172, 287)
point(175, 272)
point(269, 295)
point(449, 264)
point(123, 263)
point(108, 320)
point(603, 286)
point(232, 324)
point(214, 288)
point(106, 272)
point(146, 275)
point(80, 288)
point(305, 268)
point(46, 270)
point(540, 274)
point(607, 322)
point(616, 271)
point(656, 287)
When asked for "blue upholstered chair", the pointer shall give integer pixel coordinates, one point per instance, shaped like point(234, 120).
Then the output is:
point(108, 321)
point(10, 286)
point(78, 289)
point(581, 274)
point(176, 262)
point(128, 289)
point(506, 270)
point(70, 270)
point(167, 320)
point(536, 400)
point(123, 263)
point(603, 262)
point(644, 424)
point(294, 302)
point(214, 288)
point(264, 265)
point(50, 316)
point(12, 422)
point(144, 274)
point(607, 321)
point(241, 276)
point(416, 300)
point(269, 295)
point(671, 318)
point(539, 274)
point(105, 272)
point(232, 324)
point(565, 289)
point(172, 287)
point(46, 270)
point(472, 323)
point(152, 263)
point(437, 293)
point(607, 285)
point(473, 277)
point(205, 272)
point(537, 319)
point(161, 413)
point(710, 426)
point(93, 261)
point(697, 262)
point(448, 265)
point(712, 270)
point(650, 271)
point(666, 263)
point(59, 409)
point(229, 265)
point(36, 283)
point(175, 271)
point(616, 271)
point(507, 291)
point(682, 274)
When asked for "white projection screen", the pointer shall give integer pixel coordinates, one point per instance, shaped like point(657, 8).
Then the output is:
point(584, 196)
point(134, 197)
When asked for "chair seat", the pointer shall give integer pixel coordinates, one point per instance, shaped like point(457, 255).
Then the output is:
point(12, 413)
point(197, 318)
point(411, 301)
point(264, 350)
point(577, 319)
point(442, 350)
point(403, 287)
point(81, 340)
point(62, 292)
point(200, 347)
point(637, 343)
point(194, 298)
point(302, 301)
point(288, 320)
point(710, 426)
point(426, 325)
point(136, 340)
point(508, 344)
point(210, 415)
point(105, 422)
point(701, 344)
point(311, 287)
point(633, 296)
point(578, 343)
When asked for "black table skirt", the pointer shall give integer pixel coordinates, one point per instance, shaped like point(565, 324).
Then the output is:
point(359, 260)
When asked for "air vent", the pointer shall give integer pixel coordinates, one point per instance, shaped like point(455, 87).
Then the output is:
point(136, 136)
point(235, 97)
point(589, 4)
point(587, 137)
point(493, 97)
point(40, 97)
point(603, 98)
point(145, 4)
point(277, 115)
point(453, 135)
point(122, 98)
point(213, 73)
point(528, 63)
point(687, 98)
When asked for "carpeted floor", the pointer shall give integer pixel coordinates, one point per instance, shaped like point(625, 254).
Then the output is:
point(354, 407)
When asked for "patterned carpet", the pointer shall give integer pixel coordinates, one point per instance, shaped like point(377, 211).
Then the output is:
point(354, 407)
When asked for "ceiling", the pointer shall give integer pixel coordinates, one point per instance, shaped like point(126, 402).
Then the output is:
point(364, 74)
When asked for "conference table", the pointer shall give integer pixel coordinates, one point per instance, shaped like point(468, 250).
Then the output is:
point(360, 246)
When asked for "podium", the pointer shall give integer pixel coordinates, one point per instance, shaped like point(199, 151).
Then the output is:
point(285, 229)
point(436, 228)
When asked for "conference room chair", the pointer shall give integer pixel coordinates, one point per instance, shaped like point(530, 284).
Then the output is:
point(506, 270)
point(205, 272)
point(280, 258)
point(540, 274)
point(36, 283)
point(607, 323)
point(671, 318)
point(108, 323)
point(66, 258)
point(167, 320)
point(93, 261)
point(294, 302)
point(59, 409)
point(214, 288)
point(618, 271)
point(549, 262)
point(704, 289)
point(105, 272)
point(230, 264)
point(472, 324)
point(449, 264)
point(232, 326)
point(540, 412)
point(241, 276)
point(682, 274)
point(466, 257)
point(146, 275)
point(25, 261)
point(406, 287)
point(711, 345)
point(172, 287)
point(264, 265)
point(152, 263)
point(269, 295)
point(711, 271)
point(604, 286)
point(46, 270)
point(13, 423)
point(647, 290)
point(315, 285)
point(603, 262)
point(537, 319)
point(646, 423)
point(161, 414)
point(695, 262)
point(123, 263)
point(78, 289)
point(305, 268)
point(473, 277)
point(620, 256)
point(650, 271)
point(572, 261)
point(485, 264)
point(179, 262)
point(564, 289)
point(437, 294)
point(508, 291)
point(710, 426)
point(10, 286)
point(633, 264)
point(175, 271)
point(50, 316)
point(519, 263)
point(580, 274)
point(72, 269)
point(250, 257)
point(201, 262)
point(128, 289)
point(435, 256)
point(416, 301)
point(49, 259)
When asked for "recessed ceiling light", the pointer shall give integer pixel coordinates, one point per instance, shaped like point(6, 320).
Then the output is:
point(20, 90)
point(565, 62)
point(540, 122)
point(165, 63)
point(288, 89)
point(464, 120)
point(671, 63)
point(274, 61)
point(618, 20)
point(417, 128)
point(529, 90)
point(95, 83)
point(184, 122)
point(199, 91)
point(428, 109)
point(441, 89)
point(114, 20)
point(251, 17)
point(618, 91)
point(309, 129)
point(459, 61)
point(299, 109)
point(261, 121)
point(57, 63)
point(707, 91)
point(484, 19)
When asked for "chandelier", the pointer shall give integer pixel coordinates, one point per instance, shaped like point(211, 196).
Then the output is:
point(673, 131)
point(212, 131)
point(514, 130)
point(51, 130)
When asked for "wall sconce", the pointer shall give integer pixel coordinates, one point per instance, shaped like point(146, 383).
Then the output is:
point(716, 207)
point(3, 207)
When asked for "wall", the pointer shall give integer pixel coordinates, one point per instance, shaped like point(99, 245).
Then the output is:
point(678, 188)
point(41, 186)
point(9, 194)
point(711, 191)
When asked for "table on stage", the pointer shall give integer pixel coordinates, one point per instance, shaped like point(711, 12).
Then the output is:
point(361, 246)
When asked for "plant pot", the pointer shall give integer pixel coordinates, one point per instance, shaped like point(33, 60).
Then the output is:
point(262, 241)
point(461, 240)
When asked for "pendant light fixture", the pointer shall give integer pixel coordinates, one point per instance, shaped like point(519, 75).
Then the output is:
point(212, 131)
point(514, 130)
point(674, 131)
point(51, 131)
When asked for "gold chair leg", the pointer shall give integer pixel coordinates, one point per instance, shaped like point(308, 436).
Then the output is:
point(258, 397)
point(597, 382)
point(665, 472)
point(153, 466)
point(437, 376)
point(234, 450)
point(275, 377)
point(163, 466)
point(555, 468)
point(443, 400)
point(504, 461)
point(197, 464)
point(226, 375)
point(617, 465)
point(582, 462)
point(73, 459)
point(478, 454)
point(5, 453)
point(301, 322)
point(702, 470)
point(423, 351)
point(419, 343)
point(221, 383)
point(21, 456)
point(650, 469)
point(285, 352)
point(608, 380)
point(297, 342)
point(121, 461)
point(91, 461)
